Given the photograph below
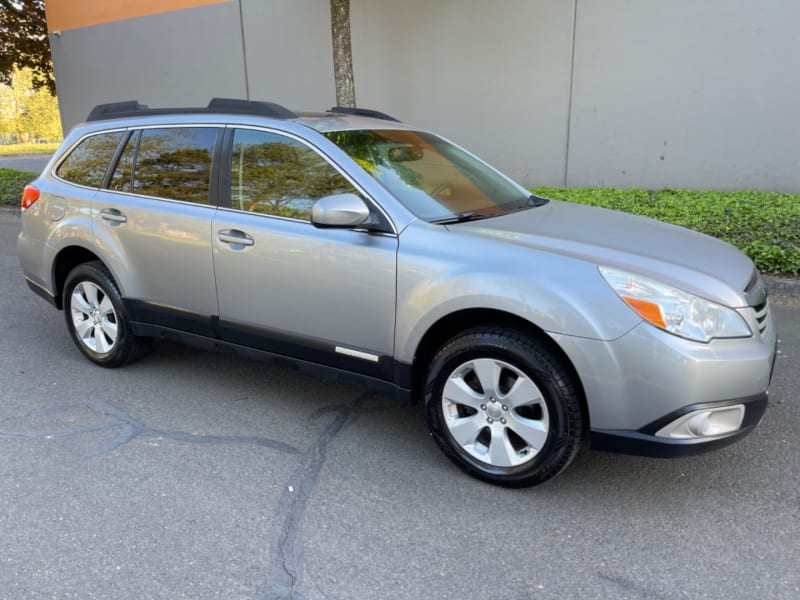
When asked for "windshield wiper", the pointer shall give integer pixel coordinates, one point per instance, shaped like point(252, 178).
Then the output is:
point(460, 218)
point(534, 200)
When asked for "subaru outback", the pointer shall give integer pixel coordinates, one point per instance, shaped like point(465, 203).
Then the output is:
point(354, 246)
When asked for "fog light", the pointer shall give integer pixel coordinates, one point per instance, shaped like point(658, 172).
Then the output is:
point(705, 423)
point(700, 424)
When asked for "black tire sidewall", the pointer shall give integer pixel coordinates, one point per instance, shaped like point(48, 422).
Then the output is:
point(97, 274)
point(538, 363)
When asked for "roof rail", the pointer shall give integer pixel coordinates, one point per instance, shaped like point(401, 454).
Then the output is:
point(251, 107)
point(132, 108)
point(115, 109)
point(363, 112)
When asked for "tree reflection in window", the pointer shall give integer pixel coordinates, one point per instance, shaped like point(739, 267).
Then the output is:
point(175, 163)
point(122, 178)
point(88, 162)
point(275, 175)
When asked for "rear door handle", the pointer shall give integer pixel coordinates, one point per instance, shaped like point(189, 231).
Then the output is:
point(113, 216)
point(234, 236)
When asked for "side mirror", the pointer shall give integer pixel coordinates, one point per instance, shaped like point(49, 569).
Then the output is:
point(339, 210)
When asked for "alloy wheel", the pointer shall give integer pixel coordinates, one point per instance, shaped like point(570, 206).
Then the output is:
point(495, 412)
point(94, 317)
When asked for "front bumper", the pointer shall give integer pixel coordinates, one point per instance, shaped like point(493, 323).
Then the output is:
point(645, 442)
point(639, 384)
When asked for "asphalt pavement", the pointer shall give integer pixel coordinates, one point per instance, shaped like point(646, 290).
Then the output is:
point(34, 163)
point(198, 475)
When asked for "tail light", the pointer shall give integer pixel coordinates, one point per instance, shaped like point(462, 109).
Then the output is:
point(29, 195)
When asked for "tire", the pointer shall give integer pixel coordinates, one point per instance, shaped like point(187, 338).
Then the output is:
point(503, 407)
point(96, 318)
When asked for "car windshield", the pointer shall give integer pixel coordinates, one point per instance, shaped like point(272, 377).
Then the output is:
point(434, 179)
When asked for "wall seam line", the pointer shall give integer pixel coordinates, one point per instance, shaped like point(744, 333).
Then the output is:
point(571, 88)
point(244, 52)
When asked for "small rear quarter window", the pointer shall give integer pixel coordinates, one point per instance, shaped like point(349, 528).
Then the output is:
point(88, 161)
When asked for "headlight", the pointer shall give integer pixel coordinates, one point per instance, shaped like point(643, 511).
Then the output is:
point(674, 310)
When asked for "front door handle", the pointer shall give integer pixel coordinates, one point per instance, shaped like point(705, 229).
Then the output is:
point(234, 236)
point(113, 216)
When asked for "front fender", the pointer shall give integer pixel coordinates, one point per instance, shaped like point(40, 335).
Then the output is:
point(558, 294)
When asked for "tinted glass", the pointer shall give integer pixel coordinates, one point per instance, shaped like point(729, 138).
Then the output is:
point(88, 161)
point(175, 163)
point(276, 175)
point(122, 178)
point(431, 177)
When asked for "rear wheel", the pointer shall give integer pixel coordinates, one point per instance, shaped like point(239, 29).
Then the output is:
point(503, 407)
point(96, 318)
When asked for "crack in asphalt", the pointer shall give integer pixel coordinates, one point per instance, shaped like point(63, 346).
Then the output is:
point(129, 428)
point(285, 564)
point(285, 576)
point(640, 589)
point(284, 579)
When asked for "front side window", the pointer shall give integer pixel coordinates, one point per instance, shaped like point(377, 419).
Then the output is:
point(433, 178)
point(170, 162)
point(88, 161)
point(275, 175)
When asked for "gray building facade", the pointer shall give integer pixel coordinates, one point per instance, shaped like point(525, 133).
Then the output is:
point(624, 93)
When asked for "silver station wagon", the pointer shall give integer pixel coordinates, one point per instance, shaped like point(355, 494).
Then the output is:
point(359, 248)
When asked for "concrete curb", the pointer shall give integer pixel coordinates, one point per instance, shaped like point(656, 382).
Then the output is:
point(783, 291)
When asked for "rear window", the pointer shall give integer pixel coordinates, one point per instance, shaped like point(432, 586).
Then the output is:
point(89, 160)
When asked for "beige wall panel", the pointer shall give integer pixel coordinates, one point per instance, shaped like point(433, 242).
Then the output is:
point(288, 48)
point(679, 94)
point(493, 76)
point(180, 58)
point(72, 14)
point(686, 94)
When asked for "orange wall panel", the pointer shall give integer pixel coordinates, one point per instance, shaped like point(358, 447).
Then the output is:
point(72, 14)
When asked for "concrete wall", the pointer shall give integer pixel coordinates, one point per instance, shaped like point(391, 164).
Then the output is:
point(686, 93)
point(278, 50)
point(493, 76)
point(171, 59)
point(626, 93)
point(288, 50)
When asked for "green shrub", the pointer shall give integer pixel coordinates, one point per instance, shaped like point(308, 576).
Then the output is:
point(12, 183)
point(763, 225)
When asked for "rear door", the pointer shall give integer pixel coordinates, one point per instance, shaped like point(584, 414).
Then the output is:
point(153, 222)
point(322, 295)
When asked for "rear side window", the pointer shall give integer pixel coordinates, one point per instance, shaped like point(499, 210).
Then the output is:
point(122, 177)
point(88, 161)
point(173, 163)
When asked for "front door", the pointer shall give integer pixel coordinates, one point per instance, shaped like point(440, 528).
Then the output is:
point(322, 295)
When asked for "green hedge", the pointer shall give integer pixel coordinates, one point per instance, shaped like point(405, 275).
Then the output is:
point(764, 225)
point(11, 184)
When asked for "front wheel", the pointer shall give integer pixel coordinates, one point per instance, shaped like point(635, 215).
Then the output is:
point(503, 407)
point(96, 318)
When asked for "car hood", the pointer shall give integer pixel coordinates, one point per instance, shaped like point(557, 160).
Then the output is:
point(695, 262)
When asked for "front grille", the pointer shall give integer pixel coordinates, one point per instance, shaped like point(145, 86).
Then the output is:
point(762, 314)
point(756, 293)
